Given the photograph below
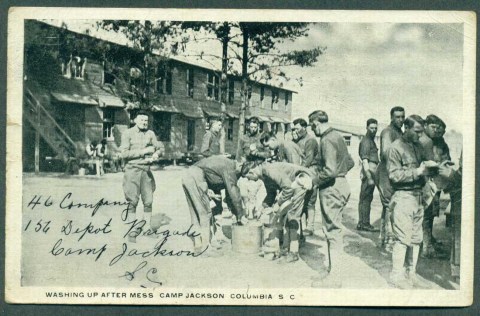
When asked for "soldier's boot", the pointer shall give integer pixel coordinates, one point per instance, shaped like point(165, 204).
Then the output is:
point(415, 280)
point(292, 255)
point(397, 276)
point(428, 251)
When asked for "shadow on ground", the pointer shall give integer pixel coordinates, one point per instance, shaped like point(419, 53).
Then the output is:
point(364, 245)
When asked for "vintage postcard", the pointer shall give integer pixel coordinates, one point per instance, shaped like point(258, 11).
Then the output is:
point(240, 157)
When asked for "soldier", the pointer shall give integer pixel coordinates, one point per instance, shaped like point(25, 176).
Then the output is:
point(368, 152)
point(211, 139)
point(454, 187)
point(334, 162)
point(437, 150)
point(139, 148)
point(249, 146)
point(309, 146)
point(214, 173)
point(407, 169)
point(292, 182)
point(391, 133)
point(284, 150)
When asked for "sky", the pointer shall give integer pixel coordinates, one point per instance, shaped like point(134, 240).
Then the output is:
point(367, 68)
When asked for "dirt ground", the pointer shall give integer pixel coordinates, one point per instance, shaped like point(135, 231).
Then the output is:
point(80, 246)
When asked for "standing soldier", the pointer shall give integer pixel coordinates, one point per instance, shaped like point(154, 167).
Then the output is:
point(249, 146)
point(214, 173)
point(334, 162)
point(368, 152)
point(391, 133)
point(211, 139)
point(309, 146)
point(407, 169)
point(285, 150)
point(437, 150)
point(139, 148)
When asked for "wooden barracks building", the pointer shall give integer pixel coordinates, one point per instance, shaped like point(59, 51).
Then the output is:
point(72, 99)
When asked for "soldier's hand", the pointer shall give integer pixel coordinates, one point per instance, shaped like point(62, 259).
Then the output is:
point(421, 171)
point(275, 208)
point(370, 181)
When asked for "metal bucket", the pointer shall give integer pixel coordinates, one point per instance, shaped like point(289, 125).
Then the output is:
point(247, 238)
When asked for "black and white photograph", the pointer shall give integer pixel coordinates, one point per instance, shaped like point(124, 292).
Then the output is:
point(255, 157)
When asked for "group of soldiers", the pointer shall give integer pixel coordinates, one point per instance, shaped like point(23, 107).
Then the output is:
point(413, 167)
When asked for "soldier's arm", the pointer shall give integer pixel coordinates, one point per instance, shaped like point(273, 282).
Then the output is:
point(159, 146)
point(126, 152)
point(363, 151)
point(397, 172)
point(386, 142)
point(230, 180)
point(311, 151)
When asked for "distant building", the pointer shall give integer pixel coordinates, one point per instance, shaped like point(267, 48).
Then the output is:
point(80, 98)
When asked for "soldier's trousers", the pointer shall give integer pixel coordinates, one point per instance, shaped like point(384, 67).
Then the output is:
point(365, 201)
point(290, 214)
point(309, 207)
point(386, 191)
point(332, 202)
point(431, 211)
point(138, 181)
point(407, 217)
point(196, 192)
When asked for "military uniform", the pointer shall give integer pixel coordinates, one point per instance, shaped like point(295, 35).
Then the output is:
point(137, 178)
point(387, 137)
point(367, 150)
point(309, 146)
point(210, 144)
point(333, 164)
point(406, 204)
point(244, 150)
point(211, 147)
point(288, 151)
point(215, 173)
point(283, 177)
point(437, 151)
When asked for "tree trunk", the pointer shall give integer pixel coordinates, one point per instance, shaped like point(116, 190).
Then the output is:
point(224, 82)
point(243, 107)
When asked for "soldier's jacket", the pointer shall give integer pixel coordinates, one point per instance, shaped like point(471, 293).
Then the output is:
point(220, 174)
point(210, 144)
point(134, 141)
point(309, 146)
point(333, 158)
point(288, 151)
point(387, 137)
point(403, 160)
point(244, 152)
point(427, 145)
point(280, 176)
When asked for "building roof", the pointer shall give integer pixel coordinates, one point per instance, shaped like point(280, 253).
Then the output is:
point(197, 62)
point(81, 91)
